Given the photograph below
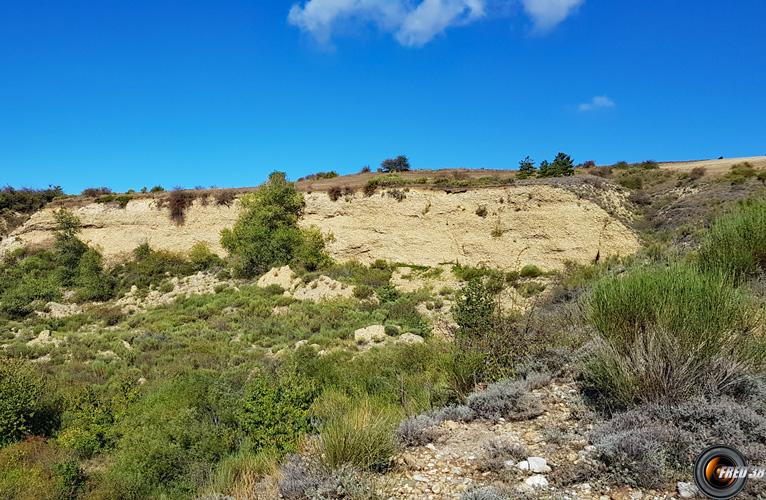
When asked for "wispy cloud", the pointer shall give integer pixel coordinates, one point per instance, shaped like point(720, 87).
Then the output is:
point(414, 23)
point(598, 102)
point(547, 14)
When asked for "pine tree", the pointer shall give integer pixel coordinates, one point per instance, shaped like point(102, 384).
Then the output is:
point(527, 168)
point(545, 169)
point(562, 166)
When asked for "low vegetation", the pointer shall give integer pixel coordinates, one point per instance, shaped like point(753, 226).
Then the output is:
point(248, 392)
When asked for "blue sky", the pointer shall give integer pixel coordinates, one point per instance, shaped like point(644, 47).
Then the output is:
point(192, 92)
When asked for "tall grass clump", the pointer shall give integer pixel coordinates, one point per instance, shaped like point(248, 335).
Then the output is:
point(359, 434)
point(736, 243)
point(669, 333)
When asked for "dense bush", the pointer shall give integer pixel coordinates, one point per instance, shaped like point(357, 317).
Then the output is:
point(277, 415)
point(27, 201)
point(202, 258)
point(172, 437)
point(36, 469)
point(23, 408)
point(150, 267)
point(499, 338)
point(736, 243)
point(267, 233)
point(668, 333)
point(92, 283)
point(530, 271)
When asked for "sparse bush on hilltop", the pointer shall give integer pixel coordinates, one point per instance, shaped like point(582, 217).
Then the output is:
point(334, 193)
point(267, 233)
point(224, 197)
point(697, 173)
point(179, 201)
point(736, 243)
point(27, 201)
point(740, 173)
point(93, 192)
point(398, 164)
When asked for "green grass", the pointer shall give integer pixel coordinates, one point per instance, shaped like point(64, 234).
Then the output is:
point(664, 330)
point(736, 243)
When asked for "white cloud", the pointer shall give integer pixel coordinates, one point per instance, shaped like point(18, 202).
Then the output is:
point(417, 22)
point(320, 17)
point(598, 102)
point(432, 17)
point(547, 14)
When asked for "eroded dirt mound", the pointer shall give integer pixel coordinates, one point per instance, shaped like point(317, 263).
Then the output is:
point(498, 227)
point(506, 227)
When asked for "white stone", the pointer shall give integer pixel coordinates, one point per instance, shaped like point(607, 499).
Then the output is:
point(410, 338)
point(687, 490)
point(538, 465)
point(420, 478)
point(372, 333)
point(536, 481)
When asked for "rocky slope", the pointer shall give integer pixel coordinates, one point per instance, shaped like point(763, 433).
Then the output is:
point(508, 227)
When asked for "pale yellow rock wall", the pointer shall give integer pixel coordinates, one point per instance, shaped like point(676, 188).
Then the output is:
point(533, 224)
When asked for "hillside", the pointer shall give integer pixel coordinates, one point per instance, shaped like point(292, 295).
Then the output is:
point(443, 335)
point(541, 223)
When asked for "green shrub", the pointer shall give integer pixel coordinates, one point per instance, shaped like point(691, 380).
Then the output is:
point(530, 271)
point(668, 333)
point(202, 258)
point(150, 267)
point(276, 416)
point(92, 283)
point(92, 192)
point(172, 437)
point(21, 299)
point(736, 243)
point(36, 469)
point(635, 182)
point(27, 201)
point(363, 292)
point(359, 433)
point(267, 233)
point(69, 249)
point(740, 173)
point(23, 398)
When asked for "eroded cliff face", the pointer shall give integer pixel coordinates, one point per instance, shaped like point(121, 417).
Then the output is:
point(499, 227)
